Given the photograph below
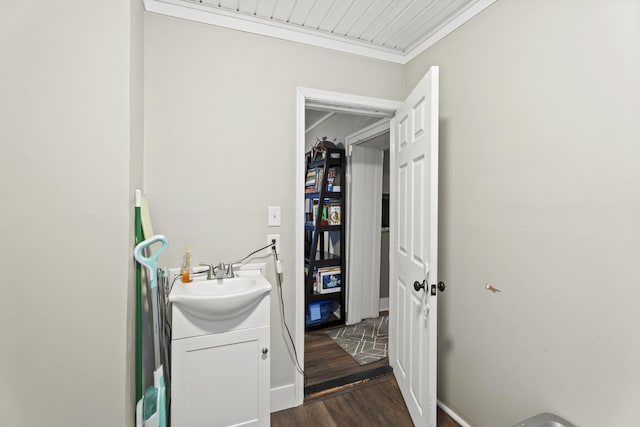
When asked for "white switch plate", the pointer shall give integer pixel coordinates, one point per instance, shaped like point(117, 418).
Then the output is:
point(270, 237)
point(274, 216)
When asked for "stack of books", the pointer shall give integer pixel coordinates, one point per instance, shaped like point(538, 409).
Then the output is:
point(313, 181)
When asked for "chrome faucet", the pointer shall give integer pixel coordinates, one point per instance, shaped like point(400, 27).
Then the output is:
point(220, 272)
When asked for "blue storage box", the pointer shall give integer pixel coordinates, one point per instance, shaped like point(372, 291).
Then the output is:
point(319, 311)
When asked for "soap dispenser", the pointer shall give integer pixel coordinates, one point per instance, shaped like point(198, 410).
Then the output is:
point(186, 266)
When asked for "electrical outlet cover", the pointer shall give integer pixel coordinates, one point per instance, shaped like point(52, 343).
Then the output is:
point(271, 237)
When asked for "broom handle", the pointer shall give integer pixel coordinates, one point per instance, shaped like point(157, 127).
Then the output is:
point(138, 238)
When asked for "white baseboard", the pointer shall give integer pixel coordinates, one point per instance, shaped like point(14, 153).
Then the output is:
point(453, 415)
point(283, 397)
point(384, 304)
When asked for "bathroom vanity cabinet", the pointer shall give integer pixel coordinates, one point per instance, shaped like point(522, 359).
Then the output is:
point(220, 369)
point(221, 379)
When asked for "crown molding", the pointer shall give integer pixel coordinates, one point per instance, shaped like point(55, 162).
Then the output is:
point(197, 12)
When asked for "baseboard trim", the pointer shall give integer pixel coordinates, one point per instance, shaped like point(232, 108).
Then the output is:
point(384, 304)
point(283, 397)
point(453, 415)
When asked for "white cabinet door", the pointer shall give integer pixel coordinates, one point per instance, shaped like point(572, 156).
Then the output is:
point(221, 379)
point(414, 215)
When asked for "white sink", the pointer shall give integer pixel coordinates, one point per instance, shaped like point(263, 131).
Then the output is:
point(220, 299)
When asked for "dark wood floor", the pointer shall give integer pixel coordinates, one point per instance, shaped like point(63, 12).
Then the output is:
point(376, 402)
point(324, 360)
point(372, 404)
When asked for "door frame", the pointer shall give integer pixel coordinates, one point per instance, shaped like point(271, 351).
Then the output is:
point(334, 101)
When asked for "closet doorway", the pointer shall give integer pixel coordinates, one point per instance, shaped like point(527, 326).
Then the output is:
point(339, 356)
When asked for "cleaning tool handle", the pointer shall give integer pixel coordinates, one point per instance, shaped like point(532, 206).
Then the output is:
point(151, 262)
point(138, 238)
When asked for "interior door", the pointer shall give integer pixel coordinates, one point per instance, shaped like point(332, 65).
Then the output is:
point(414, 248)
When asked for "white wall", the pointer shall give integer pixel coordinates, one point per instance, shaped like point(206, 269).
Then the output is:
point(220, 143)
point(65, 250)
point(540, 196)
point(136, 172)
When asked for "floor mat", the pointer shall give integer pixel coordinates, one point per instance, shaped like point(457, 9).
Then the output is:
point(366, 341)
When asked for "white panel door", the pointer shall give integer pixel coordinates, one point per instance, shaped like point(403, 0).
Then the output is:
point(414, 248)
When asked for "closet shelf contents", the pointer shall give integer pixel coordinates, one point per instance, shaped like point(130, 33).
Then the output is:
point(325, 250)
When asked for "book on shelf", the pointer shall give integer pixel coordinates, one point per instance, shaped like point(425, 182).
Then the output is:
point(334, 216)
point(331, 177)
point(329, 280)
point(319, 176)
point(310, 181)
point(323, 220)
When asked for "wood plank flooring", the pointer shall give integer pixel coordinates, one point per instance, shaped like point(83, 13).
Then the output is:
point(375, 402)
point(324, 360)
point(372, 404)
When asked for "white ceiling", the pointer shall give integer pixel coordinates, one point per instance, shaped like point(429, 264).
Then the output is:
point(390, 30)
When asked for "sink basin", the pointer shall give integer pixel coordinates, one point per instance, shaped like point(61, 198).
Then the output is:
point(220, 299)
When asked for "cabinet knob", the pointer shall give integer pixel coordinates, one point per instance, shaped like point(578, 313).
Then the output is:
point(265, 350)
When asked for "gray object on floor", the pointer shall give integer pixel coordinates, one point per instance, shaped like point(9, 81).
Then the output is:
point(366, 341)
point(544, 420)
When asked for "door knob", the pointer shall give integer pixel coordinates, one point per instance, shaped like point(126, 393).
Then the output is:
point(441, 286)
point(417, 285)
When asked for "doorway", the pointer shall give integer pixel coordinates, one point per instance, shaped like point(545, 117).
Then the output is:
point(341, 356)
point(414, 236)
point(355, 122)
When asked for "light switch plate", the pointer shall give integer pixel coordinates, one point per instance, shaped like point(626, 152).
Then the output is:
point(274, 216)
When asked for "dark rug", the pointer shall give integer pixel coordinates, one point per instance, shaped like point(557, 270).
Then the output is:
point(366, 341)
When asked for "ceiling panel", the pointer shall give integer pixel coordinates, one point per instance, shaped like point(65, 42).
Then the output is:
point(318, 13)
point(407, 33)
point(283, 10)
point(402, 19)
point(446, 10)
point(265, 8)
point(335, 14)
point(301, 12)
point(248, 6)
point(383, 29)
point(389, 15)
point(228, 4)
point(369, 18)
point(352, 16)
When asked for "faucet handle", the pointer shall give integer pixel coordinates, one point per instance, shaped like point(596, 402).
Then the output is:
point(230, 272)
point(210, 272)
